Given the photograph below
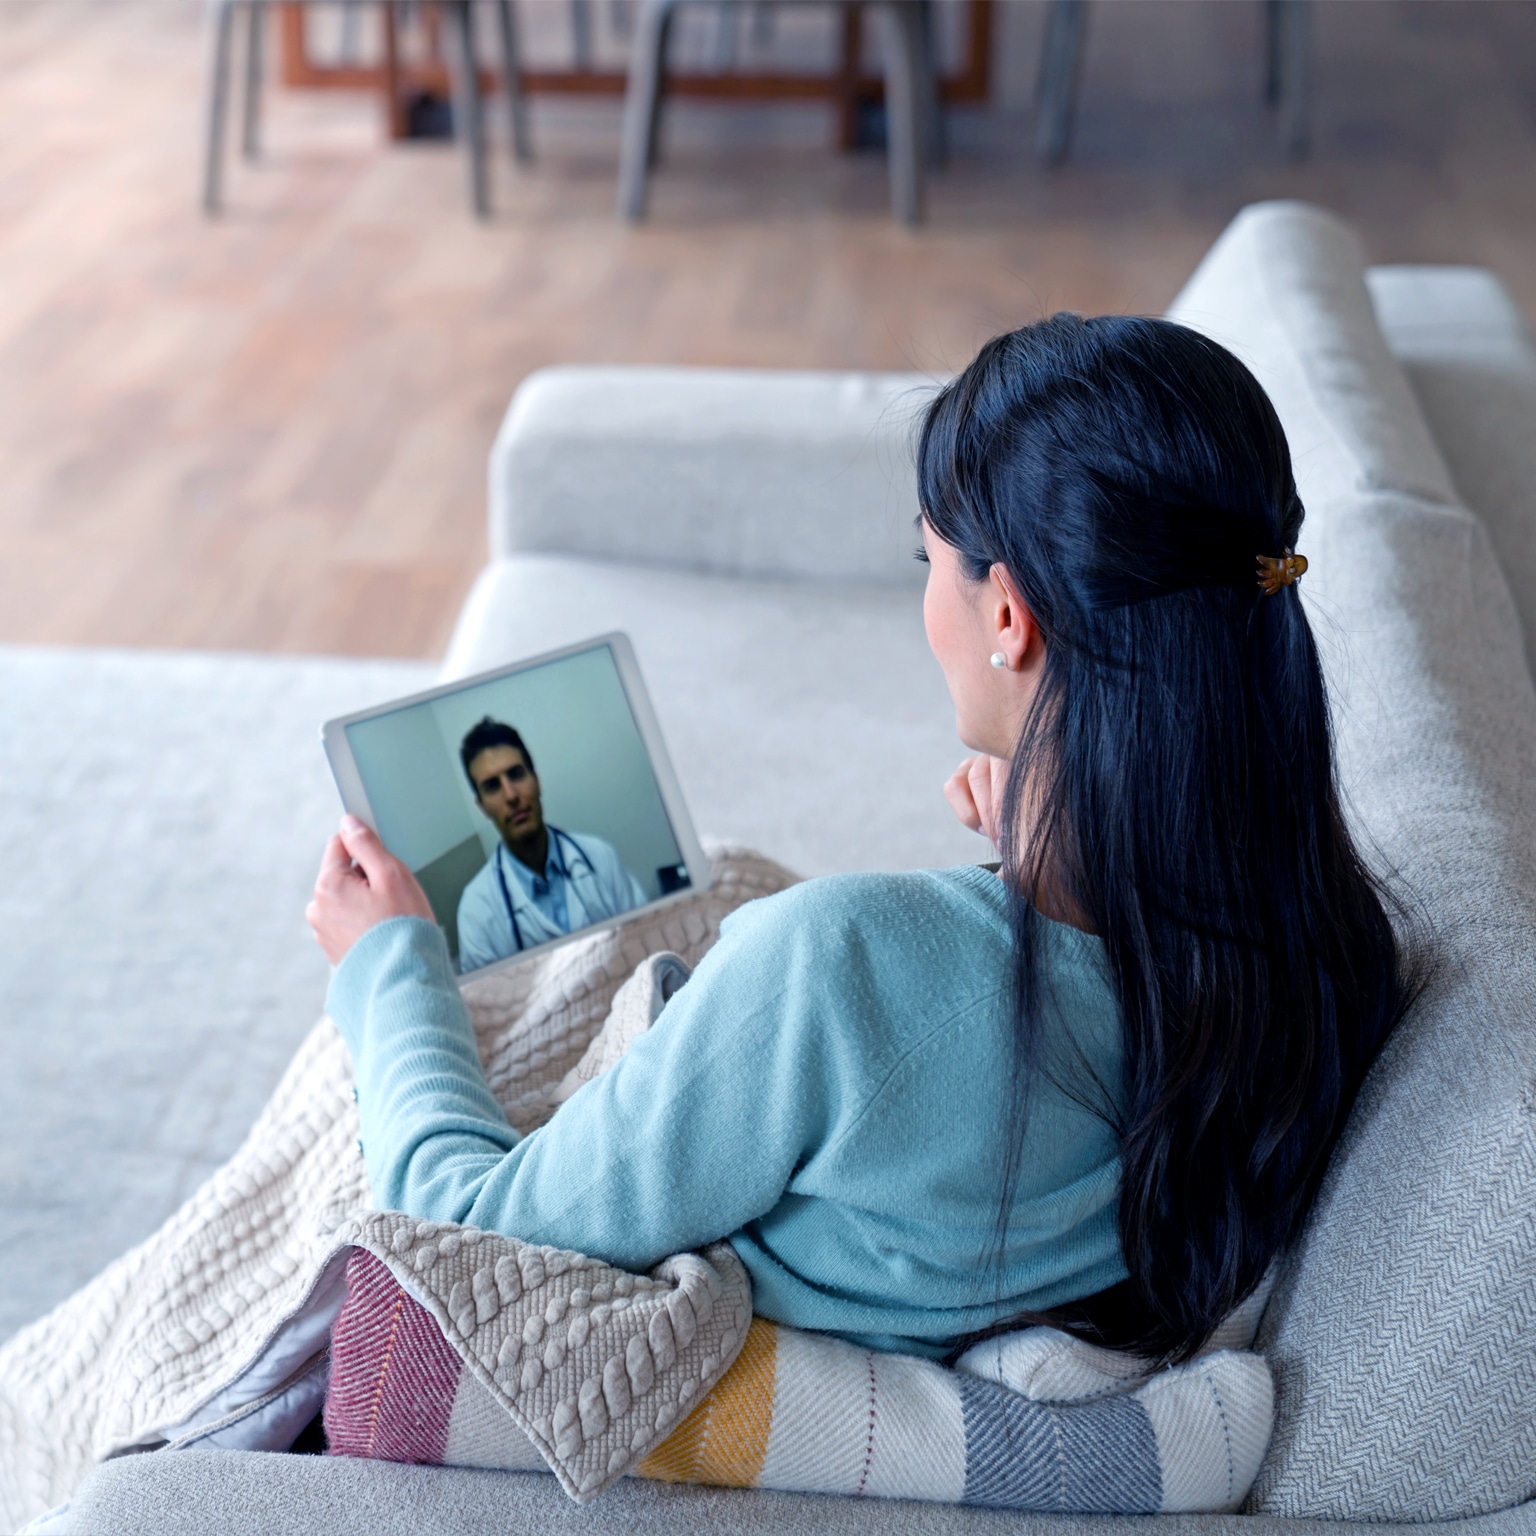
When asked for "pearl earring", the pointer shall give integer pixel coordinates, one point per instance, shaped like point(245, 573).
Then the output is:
point(999, 660)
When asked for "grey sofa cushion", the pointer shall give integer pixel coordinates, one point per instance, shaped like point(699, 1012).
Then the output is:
point(738, 471)
point(248, 1494)
point(1402, 1334)
point(1466, 351)
point(806, 719)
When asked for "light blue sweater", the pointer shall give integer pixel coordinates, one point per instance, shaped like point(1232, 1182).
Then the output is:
point(828, 1091)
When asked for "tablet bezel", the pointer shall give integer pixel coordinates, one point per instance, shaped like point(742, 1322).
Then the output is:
point(354, 796)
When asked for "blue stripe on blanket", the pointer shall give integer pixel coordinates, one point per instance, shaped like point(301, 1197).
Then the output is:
point(1085, 1458)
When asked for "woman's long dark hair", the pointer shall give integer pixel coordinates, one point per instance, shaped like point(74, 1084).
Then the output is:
point(1178, 768)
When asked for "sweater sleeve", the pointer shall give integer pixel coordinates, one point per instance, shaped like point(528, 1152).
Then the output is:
point(694, 1133)
point(429, 1120)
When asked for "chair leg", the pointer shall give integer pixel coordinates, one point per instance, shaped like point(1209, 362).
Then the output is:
point(659, 96)
point(1272, 53)
point(469, 122)
point(935, 129)
point(255, 36)
point(1060, 62)
point(902, 52)
point(1292, 34)
point(726, 40)
point(351, 15)
point(511, 64)
point(581, 33)
point(642, 104)
point(218, 104)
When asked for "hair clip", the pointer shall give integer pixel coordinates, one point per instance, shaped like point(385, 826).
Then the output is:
point(1282, 572)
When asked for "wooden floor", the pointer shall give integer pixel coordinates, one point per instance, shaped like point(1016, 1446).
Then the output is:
point(270, 432)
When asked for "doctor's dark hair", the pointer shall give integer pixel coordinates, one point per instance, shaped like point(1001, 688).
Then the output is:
point(487, 732)
point(1178, 764)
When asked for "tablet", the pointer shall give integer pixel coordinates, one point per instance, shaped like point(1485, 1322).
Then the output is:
point(533, 803)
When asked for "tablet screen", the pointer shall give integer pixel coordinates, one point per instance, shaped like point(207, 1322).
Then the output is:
point(526, 803)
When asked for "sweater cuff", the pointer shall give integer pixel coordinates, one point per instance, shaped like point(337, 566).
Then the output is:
point(408, 942)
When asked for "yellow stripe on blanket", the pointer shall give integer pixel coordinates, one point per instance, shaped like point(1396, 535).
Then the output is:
point(724, 1440)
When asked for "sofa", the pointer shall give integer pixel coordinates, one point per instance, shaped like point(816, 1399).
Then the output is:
point(752, 533)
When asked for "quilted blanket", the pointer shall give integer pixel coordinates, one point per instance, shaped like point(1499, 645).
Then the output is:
point(215, 1329)
point(276, 1287)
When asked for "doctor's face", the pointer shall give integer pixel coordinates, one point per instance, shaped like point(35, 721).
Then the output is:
point(508, 792)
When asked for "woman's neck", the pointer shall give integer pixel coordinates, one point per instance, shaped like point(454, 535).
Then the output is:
point(1052, 902)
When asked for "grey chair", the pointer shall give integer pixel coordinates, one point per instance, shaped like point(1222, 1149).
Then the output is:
point(1287, 76)
point(469, 117)
point(582, 30)
point(911, 102)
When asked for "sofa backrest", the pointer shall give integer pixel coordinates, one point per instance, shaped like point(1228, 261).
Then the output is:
point(739, 472)
point(1401, 1333)
point(1467, 353)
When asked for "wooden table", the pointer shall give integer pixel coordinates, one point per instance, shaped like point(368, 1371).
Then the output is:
point(397, 79)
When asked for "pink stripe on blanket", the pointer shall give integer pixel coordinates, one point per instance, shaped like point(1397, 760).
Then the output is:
point(393, 1374)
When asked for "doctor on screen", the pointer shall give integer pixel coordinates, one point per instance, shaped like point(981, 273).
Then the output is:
point(542, 881)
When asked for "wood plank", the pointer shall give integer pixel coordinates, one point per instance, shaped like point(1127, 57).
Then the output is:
point(270, 432)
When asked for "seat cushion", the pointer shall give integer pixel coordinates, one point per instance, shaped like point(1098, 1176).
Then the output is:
point(149, 998)
point(245, 1493)
point(805, 719)
point(1401, 1333)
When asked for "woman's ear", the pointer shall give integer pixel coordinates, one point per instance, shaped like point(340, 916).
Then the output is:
point(1017, 634)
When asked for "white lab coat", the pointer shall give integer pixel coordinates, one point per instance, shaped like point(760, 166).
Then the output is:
point(597, 886)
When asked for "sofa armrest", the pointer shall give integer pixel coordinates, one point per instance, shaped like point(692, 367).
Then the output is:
point(733, 471)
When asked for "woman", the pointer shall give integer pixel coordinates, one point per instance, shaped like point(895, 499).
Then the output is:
point(1099, 1084)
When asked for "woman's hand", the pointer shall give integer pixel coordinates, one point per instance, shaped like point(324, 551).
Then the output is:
point(975, 794)
point(360, 885)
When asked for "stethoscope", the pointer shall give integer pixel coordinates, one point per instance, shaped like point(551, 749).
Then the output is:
point(562, 868)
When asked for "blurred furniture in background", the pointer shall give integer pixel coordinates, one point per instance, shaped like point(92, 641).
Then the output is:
point(852, 89)
point(911, 100)
point(1287, 74)
point(581, 27)
point(848, 85)
point(464, 73)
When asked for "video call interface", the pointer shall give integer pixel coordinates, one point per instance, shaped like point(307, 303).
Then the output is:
point(526, 806)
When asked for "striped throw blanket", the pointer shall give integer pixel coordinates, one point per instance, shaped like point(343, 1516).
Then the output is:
point(1034, 1420)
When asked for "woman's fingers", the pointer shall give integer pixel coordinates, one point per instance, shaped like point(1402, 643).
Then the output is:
point(364, 848)
point(989, 776)
point(975, 793)
point(360, 884)
point(334, 862)
point(957, 790)
point(981, 792)
point(393, 890)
